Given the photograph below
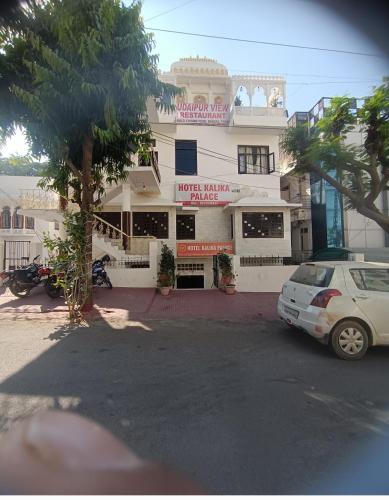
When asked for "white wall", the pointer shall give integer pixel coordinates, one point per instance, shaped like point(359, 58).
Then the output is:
point(261, 278)
point(361, 232)
point(137, 278)
point(266, 247)
point(210, 169)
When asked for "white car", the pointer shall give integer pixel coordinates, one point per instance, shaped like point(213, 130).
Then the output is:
point(343, 304)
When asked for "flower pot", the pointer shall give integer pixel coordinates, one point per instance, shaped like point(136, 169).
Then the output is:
point(230, 289)
point(225, 280)
point(165, 290)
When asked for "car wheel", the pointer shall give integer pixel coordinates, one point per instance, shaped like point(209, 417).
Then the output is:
point(349, 340)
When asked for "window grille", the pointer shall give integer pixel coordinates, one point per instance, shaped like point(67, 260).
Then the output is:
point(262, 225)
point(151, 224)
point(185, 227)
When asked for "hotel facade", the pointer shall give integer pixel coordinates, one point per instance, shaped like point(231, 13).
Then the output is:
point(210, 184)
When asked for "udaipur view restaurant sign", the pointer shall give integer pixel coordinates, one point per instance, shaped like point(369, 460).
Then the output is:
point(196, 194)
point(192, 112)
point(204, 249)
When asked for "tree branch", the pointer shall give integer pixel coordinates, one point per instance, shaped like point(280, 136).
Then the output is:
point(337, 185)
point(73, 168)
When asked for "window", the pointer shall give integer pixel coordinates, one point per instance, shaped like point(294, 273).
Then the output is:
point(5, 218)
point(374, 280)
point(30, 223)
point(17, 220)
point(185, 227)
point(56, 226)
point(151, 224)
point(253, 159)
point(186, 157)
point(262, 225)
point(190, 267)
point(310, 274)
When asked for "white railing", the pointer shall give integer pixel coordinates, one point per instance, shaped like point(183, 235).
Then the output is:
point(258, 111)
point(38, 198)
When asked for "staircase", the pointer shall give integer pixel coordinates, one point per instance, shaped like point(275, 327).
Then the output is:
point(108, 239)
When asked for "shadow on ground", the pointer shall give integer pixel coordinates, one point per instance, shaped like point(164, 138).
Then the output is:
point(245, 408)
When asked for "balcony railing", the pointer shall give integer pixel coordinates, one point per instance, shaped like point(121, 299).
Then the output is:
point(38, 199)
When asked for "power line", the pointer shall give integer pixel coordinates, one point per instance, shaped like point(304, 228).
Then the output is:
point(250, 186)
point(221, 156)
point(170, 10)
point(261, 42)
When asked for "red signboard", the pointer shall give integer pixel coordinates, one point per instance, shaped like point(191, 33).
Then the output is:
point(204, 249)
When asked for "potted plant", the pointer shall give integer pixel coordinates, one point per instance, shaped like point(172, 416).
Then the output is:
point(167, 269)
point(227, 276)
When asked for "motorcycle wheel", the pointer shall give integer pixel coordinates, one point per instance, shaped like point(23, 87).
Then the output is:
point(53, 291)
point(108, 283)
point(16, 290)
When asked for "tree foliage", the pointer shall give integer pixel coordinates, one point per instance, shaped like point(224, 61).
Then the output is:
point(22, 165)
point(360, 172)
point(78, 76)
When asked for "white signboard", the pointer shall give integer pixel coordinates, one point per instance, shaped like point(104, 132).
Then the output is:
point(213, 114)
point(196, 194)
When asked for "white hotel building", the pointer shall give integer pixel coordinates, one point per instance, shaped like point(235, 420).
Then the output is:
point(212, 184)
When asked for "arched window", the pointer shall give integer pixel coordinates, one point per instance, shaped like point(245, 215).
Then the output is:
point(30, 223)
point(242, 97)
point(219, 99)
point(17, 219)
point(5, 218)
point(259, 98)
point(200, 99)
point(276, 99)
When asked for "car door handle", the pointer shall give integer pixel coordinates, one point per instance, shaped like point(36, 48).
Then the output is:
point(363, 297)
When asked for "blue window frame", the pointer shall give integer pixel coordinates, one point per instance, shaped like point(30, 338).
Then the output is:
point(186, 157)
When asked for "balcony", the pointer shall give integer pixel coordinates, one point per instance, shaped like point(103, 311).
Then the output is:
point(246, 116)
point(40, 204)
point(145, 177)
point(38, 198)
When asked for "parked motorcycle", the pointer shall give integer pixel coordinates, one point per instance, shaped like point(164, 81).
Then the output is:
point(22, 280)
point(99, 274)
point(99, 277)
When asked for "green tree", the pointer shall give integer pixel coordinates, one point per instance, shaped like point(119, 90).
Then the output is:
point(22, 165)
point(78, 76)
point(359, 172)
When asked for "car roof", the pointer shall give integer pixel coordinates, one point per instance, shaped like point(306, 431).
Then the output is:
point(350, 264)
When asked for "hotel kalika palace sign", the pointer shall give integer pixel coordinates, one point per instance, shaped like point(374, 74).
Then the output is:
point(207, 194)
point(204, 249)
point(201, 113)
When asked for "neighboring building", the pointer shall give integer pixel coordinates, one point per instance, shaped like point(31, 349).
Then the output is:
point(323, 217)
point(21, 236)
point(211, 182)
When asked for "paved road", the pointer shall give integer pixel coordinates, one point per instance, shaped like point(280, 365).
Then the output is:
point(248, 407)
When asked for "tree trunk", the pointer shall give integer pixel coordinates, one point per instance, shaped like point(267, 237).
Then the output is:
point(87, 212)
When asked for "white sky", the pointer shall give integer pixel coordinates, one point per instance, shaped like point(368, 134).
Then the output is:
point(15, 145)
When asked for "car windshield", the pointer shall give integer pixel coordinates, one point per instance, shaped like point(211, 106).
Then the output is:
point(375, 280)
point(309, 274)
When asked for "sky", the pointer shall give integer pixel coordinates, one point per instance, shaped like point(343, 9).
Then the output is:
point(310, 74)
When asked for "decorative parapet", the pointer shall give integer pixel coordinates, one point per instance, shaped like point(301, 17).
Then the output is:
point(38, 199)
